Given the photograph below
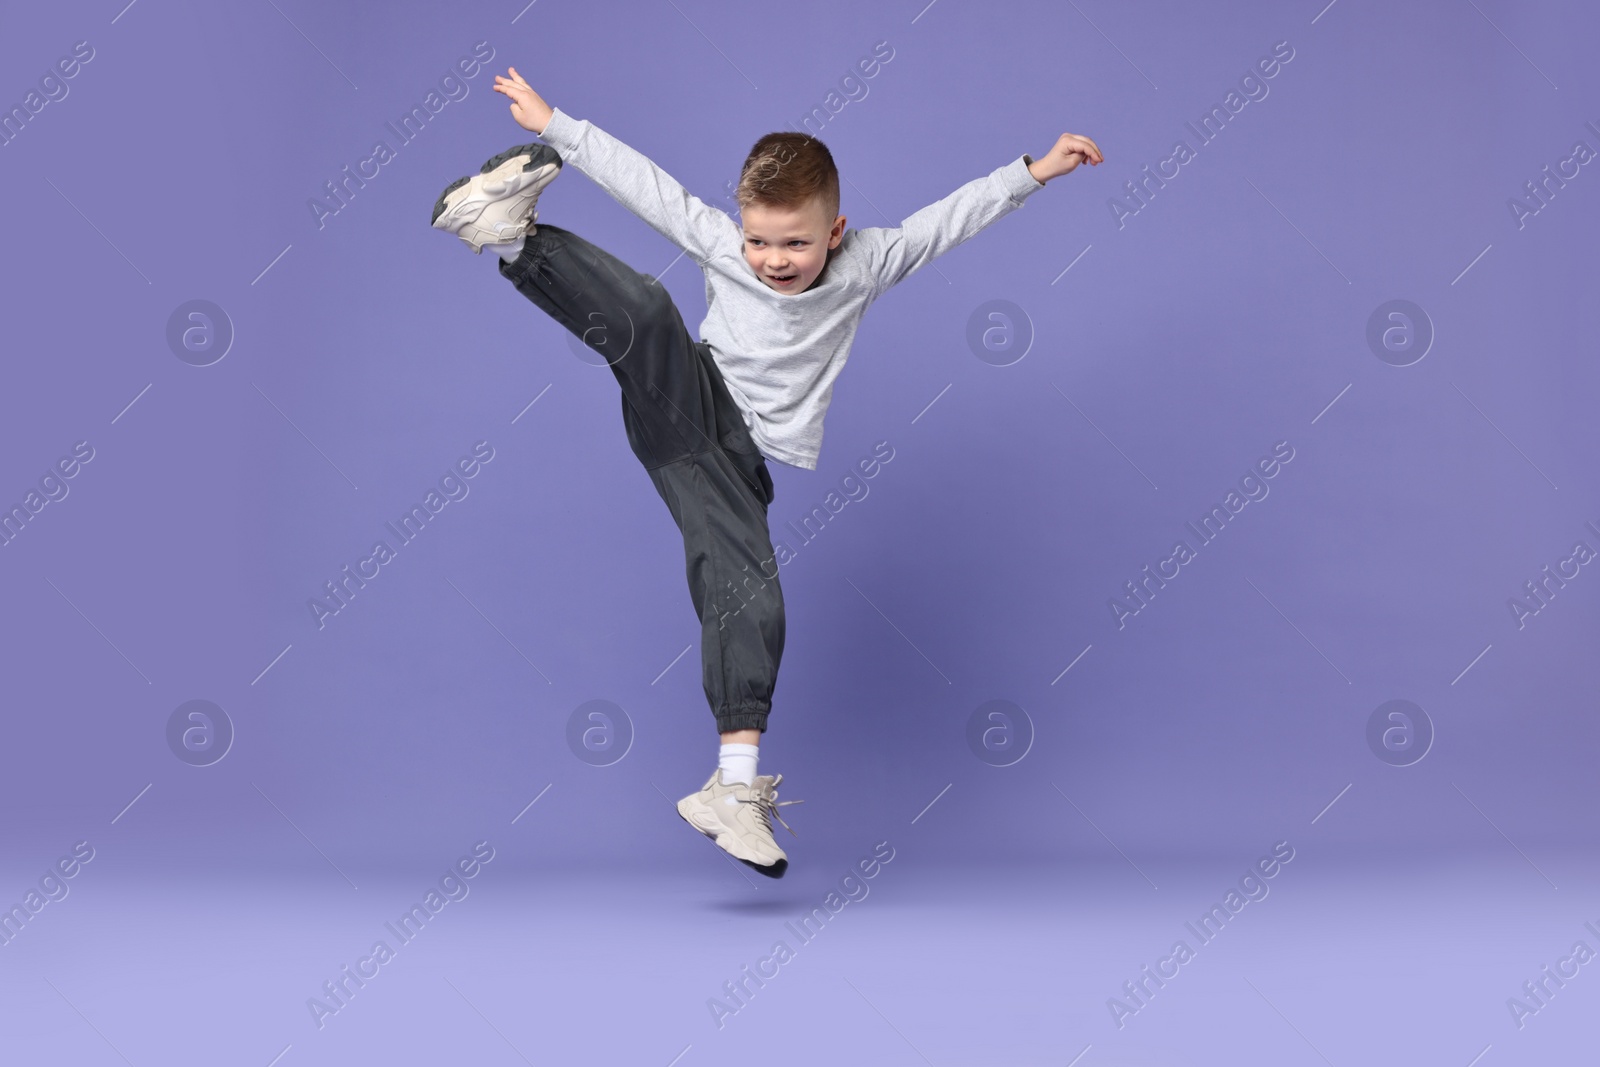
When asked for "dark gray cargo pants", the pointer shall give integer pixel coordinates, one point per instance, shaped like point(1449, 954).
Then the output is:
point(692, 440)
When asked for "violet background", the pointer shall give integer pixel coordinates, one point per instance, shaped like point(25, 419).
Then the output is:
point(1228, 314)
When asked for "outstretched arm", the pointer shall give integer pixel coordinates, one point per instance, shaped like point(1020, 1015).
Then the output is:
point(626, 174)
point(894, 254)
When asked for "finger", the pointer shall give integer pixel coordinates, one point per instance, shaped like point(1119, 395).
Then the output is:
point(1072, 144)
point(1090, 142)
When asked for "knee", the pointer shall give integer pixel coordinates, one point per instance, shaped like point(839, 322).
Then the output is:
point(751, 600)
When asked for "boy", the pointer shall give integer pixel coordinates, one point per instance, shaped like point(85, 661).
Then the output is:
point(785, 288)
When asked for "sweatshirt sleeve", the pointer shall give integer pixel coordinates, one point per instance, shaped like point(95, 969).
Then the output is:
point(640, 186)
point(894, 254)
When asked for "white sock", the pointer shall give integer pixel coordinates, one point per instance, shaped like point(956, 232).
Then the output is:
point(738, 763)
point(508, 252)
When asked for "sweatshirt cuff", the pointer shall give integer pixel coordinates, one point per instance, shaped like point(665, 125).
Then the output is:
point(562, 132)
point(1019, 181)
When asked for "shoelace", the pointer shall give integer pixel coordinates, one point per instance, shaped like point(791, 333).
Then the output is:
point(765, 799)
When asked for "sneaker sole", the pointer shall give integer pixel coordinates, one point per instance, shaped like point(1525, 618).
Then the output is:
point(771, 870)
point(504, 182)
point(464, 199)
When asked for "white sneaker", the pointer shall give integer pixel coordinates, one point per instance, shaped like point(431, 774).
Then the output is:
point(497, 205)
point(738, 817)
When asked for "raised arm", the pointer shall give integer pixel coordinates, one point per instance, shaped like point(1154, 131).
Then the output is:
point(626, 174)
point(894, 254)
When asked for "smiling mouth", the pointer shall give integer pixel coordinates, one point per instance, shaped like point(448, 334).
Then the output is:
point(783, 279)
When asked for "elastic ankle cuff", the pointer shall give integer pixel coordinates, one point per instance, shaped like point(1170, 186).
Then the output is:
point(746, 718)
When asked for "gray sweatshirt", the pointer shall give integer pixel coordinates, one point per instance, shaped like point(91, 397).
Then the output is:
point(779, 354)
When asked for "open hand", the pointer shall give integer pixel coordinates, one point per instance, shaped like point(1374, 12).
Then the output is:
point(527, 106)
point(1070, 150)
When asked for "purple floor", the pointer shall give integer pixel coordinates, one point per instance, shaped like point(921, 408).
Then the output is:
point(1344, 960)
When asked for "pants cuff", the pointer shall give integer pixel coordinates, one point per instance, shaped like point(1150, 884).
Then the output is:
point(517, 268)
point(742, 718)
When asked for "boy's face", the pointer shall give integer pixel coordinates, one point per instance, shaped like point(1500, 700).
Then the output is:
point(792, 242)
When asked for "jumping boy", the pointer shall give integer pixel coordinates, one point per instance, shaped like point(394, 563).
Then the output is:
point(786, 287)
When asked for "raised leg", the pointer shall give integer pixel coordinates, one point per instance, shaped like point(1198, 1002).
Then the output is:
point(691, 438)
